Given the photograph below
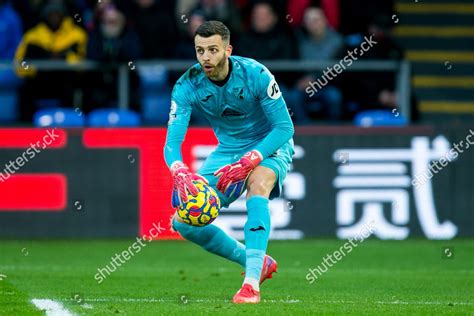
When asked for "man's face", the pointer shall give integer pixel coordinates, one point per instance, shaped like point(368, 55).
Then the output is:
point(315, 21)
point(113, 23)
point(54, 20)
point(263, 18)
point(145, 4)
point(195, 21)
point(212, 53)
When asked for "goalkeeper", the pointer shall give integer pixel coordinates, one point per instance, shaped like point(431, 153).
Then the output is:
point(243, 103)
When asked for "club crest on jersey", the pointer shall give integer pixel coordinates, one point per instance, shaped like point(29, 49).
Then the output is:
point(238, 93)
point(273, 90)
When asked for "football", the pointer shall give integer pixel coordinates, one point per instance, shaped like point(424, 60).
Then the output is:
point(202, 209)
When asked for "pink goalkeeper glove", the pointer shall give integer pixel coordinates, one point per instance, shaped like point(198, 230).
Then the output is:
point(183, 183)
point(232, 177)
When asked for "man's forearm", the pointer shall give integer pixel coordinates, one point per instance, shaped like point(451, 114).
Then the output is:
point(279, 135)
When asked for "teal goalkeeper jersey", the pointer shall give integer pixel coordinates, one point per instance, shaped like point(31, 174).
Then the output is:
point(246, 113)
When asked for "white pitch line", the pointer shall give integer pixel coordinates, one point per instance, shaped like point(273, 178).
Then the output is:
point(190, 300)
point(168, 300)
point(86, 306)
point(51, 308)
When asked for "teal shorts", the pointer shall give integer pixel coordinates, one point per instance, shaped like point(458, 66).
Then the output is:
point(279, 162)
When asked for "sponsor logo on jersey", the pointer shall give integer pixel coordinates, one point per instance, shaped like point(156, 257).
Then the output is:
point(173, 109)
point(273, 91)
point(231, 112)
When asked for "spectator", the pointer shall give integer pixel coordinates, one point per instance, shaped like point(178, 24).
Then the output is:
point(184, 7)
point(94, 11)
point(295, 12)
point(55, 38)
point(30, 10)
point(266, 39)
point(10, 31)
point(155, 24)
point(10, 37)
point(317, 41)
point(386, 48)
point(185, 48)
point(221, 10)
point(280, 8)
point(378, 87)
point(112, 42)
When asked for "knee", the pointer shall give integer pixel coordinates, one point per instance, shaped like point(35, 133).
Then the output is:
point(261, 182)
point(259, 187)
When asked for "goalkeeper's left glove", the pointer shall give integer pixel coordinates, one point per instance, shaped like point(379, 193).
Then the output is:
point(232, 177)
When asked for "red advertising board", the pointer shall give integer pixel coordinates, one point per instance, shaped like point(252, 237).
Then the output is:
point(47, 192)
point(155, 181)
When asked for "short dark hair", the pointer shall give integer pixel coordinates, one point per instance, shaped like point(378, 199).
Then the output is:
point(210, 28)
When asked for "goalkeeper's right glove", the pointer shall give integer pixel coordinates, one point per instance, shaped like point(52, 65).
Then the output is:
point(183, 183)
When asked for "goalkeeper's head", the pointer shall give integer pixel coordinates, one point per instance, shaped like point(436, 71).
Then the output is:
point(212, 44)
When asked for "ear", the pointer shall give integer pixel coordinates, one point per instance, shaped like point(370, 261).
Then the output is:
point(228, 50)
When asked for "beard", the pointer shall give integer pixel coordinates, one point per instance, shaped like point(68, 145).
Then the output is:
point(111, 31)
point(218, 69)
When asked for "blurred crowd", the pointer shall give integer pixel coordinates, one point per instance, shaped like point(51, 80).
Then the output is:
point(120, 31)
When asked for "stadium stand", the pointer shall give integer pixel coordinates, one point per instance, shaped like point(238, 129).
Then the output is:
point(58, 117)
point(155, 93)
point(378, 118)
point(113, 118)
point(438, 38)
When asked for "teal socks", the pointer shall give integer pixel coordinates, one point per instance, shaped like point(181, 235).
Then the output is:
point(257, 231)
point(214, 240)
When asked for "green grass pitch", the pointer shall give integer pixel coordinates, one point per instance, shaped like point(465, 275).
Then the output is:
point(414, 277)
